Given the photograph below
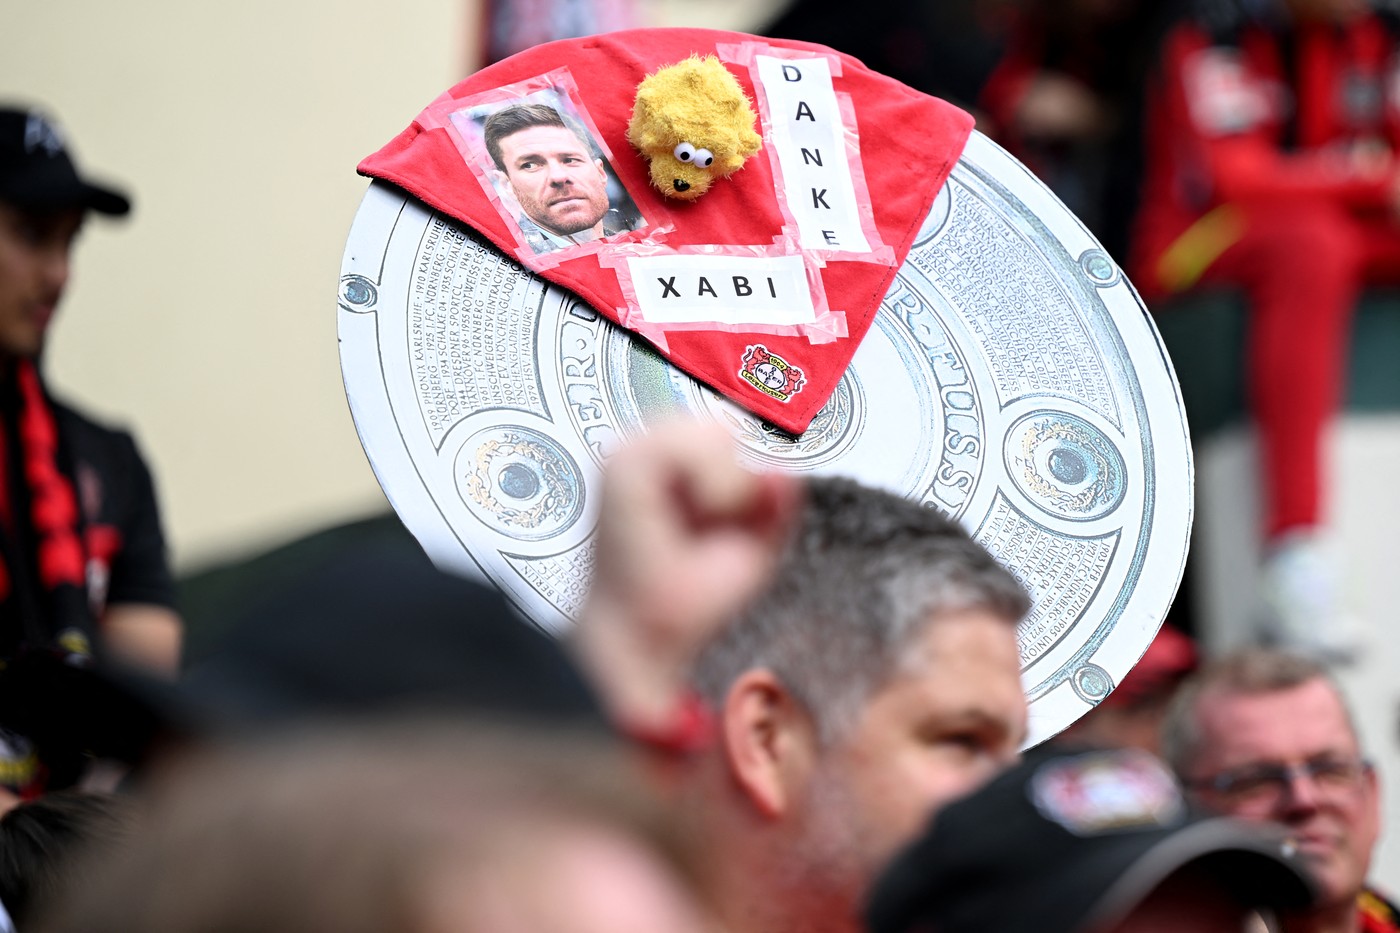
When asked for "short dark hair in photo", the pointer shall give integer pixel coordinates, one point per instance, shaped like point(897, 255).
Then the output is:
point(519, 117)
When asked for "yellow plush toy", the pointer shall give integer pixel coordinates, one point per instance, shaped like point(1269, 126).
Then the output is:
point(694, 124)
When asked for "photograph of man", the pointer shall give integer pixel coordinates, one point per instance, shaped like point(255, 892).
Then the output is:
point(554, 173)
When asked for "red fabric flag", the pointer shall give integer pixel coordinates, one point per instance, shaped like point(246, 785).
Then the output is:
point(764, 286)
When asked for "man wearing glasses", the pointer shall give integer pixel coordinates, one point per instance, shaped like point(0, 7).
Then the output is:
point(1266, 736)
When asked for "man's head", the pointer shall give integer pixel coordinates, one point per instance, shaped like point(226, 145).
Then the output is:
point(876, 678)
point(1266, 736)
point(551, 168)
point(42, 204)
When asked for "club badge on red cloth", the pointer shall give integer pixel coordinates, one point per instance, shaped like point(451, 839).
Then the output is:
point(771, 374)
point(764, 287)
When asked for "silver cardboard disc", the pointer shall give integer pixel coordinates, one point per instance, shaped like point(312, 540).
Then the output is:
point(1012, 379)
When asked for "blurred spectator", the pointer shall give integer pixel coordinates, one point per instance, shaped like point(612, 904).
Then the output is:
point(41, 839)
point(1267, 737)
point(82, 557)
point(416, 826)
point(1085, 842)
point(1131, 716)
point(1066, 99)
point(1271, 134)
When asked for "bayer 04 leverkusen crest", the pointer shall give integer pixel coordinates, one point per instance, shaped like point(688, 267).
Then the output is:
point(772, 375)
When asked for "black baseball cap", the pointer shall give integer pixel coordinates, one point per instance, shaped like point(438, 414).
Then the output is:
point(37, 170)
point(379, 629)
point(1071, 841)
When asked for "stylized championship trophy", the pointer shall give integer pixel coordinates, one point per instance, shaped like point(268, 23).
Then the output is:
point(880, 291)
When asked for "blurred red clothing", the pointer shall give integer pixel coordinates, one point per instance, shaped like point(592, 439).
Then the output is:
point(1270, 166)
point(1244, 121)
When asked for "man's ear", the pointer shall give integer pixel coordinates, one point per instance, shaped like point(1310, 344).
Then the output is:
point(769, 741)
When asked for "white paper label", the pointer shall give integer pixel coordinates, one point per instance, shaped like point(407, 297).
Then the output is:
point(732, 290)
point(810, 141)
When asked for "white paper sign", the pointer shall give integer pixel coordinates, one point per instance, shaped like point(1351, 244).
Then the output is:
point(810, 140)
point(731, 290)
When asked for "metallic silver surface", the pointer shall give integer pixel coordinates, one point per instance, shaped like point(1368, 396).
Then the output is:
point(1012, 379)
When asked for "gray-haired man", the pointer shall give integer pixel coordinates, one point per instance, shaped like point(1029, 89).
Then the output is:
point(1266, 736)
point(875, 678)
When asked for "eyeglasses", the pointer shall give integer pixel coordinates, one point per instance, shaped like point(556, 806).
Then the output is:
point(1261, 784)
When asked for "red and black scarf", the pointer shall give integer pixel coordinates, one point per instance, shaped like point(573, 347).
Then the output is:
point(43, 591)
point(46, 622)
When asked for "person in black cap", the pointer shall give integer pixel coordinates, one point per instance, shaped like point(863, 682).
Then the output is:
point(82, 556)
point(1085, 841)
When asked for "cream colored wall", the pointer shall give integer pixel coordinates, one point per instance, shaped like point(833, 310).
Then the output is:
point(206, 321)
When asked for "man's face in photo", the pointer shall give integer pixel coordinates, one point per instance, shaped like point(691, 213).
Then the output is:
point(559, 184)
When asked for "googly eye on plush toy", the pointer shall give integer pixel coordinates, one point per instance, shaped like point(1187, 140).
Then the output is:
point(685, 152)
point(693, 123)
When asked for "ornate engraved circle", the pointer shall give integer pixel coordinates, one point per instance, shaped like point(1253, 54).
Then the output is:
point(1092, 683)
point(831, 432)
point(519, 482)
point(1065, 465)
point(357, 293)
point(1100, 269)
